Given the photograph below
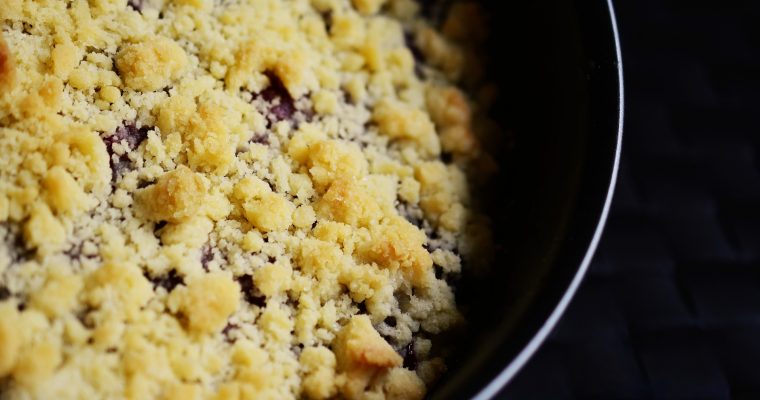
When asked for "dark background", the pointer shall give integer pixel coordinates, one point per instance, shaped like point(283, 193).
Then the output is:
point(670, 308)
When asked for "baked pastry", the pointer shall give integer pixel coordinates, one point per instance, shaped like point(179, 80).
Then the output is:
point(229, 199)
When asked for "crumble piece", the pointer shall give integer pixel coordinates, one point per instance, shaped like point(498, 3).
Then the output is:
point(368, 7)
point(319, 379)
point(400, 122)
point(7, 66)
point(176, 195)
point(361, 354)
point(207, 302)
point(10, 337)
point(151, 64)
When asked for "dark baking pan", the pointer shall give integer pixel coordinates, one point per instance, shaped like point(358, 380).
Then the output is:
point(557, 63)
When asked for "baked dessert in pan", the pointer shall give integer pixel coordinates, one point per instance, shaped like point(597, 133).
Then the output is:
point(235, 199)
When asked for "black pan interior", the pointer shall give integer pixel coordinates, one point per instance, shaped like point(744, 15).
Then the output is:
point(556, 66)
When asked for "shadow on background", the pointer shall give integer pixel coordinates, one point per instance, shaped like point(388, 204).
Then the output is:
point(671, 307)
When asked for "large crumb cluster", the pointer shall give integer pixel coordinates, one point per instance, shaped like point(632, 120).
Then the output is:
point(231, 199)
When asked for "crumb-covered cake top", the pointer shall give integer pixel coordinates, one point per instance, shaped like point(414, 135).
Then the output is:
point(231, 199)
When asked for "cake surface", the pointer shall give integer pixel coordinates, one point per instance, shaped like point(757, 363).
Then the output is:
point(231, 199)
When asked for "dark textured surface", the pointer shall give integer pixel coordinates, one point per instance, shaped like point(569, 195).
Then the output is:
point(670, 308)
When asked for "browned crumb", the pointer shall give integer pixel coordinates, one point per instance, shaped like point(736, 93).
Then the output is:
point(7, 66)
point(176, 195)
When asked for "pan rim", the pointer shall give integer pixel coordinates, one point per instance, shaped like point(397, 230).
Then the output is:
point(511, 370)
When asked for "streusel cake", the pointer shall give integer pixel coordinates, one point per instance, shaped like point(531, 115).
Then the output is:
point(231, 199)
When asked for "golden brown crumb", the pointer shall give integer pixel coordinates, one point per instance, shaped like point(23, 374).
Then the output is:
point(42, 228)
point(440, 52)
point(348, 202)
point(7, 66)
point(332, 159)
point(59, 293)
point(459, 139)
point(368, 7)
point(64, 57)
point(448, 106)
point(269, 212)
point(63, 192)
point(10, 337)
point(176, 195)
point(397, 244)
point(152, 64)
point(207, 302)
point(358, 344)
point(361, 354)
point(402, 384)
point(319, 382)
point(401, 122)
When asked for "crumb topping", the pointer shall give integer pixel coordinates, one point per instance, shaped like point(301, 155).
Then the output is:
point(231, 199)
point(177, 195)
point(151, 64)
